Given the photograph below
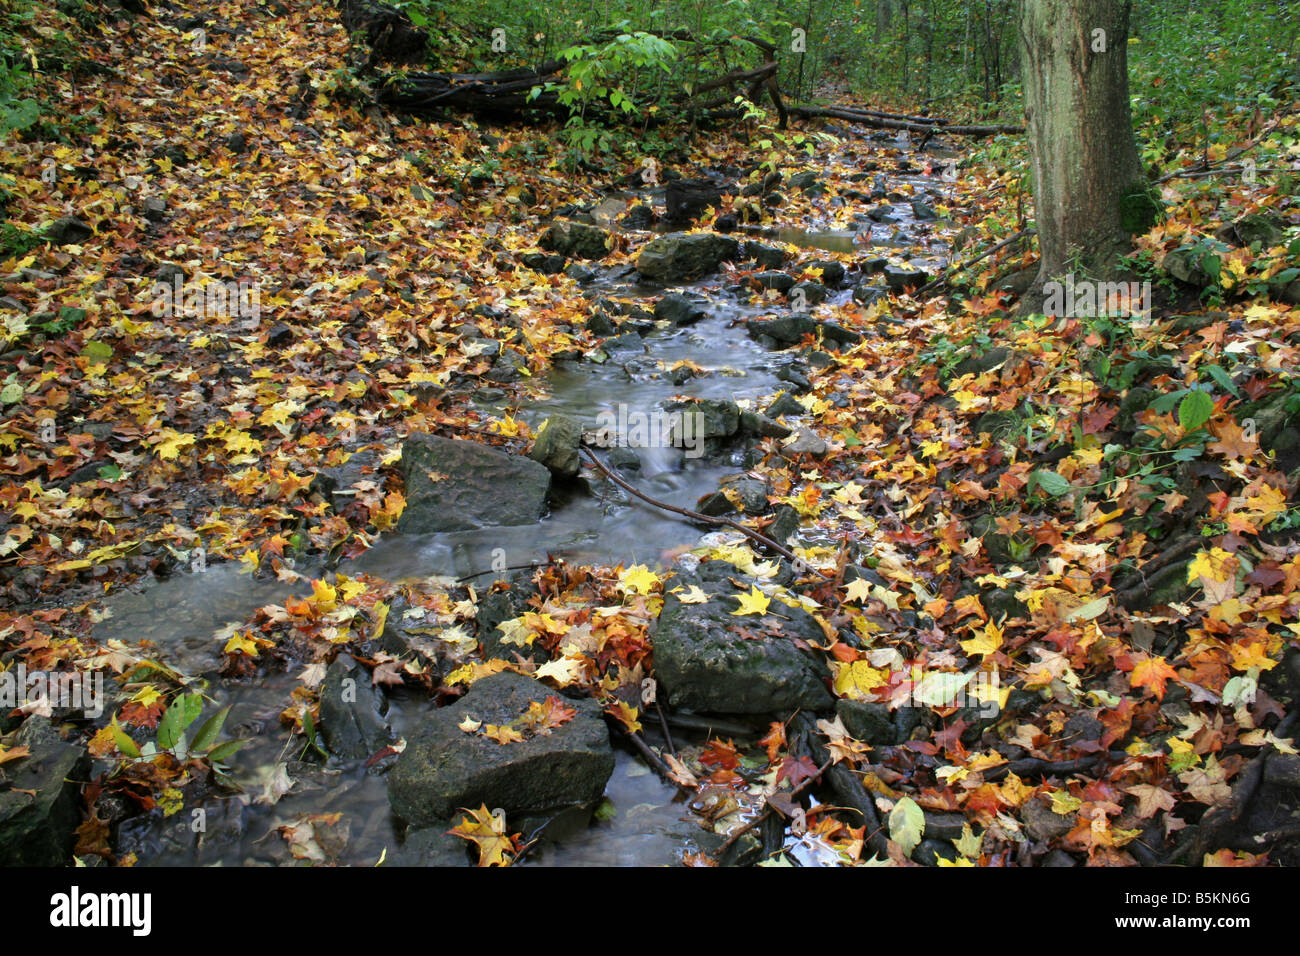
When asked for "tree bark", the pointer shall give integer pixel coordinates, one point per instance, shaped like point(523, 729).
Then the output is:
point(1090, 191)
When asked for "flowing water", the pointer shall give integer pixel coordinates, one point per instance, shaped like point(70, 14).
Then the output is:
point(188, 617)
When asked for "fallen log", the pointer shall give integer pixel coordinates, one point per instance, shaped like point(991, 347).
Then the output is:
point(928, 128)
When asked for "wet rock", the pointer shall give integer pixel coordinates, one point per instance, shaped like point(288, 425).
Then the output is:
point(678, 257)
point(808, 293)
point(867, 294)
point(705, 660)
point(832, 272)
point(784, 524)
point(930, 852)
point(576, 240)
point(715, 418)
point(639, 216)
point(627, 342)
point(786, 329)
point(68, 231)
point(601, 324)
point(803, 180)
point(154, 209)
point(806, 442)
point(769, 257)
point(336, 484)
point(444, 768)
point(785, 404)
point(899, 278)
point(752, 423)
point(773, 280)
point(686, 199)
point(545, 264)
point(868, 721)
point(795, 378)
point(352, 711)
point(1266, 228)
point(1043, 823)
point(624, 459)
point(556, 446)
point(679, 309)
point(454, 485)
point(432, 846)
point(279, 335)
point(923, 212)
point(581, 274)
point(883, 214)
point(38, 827)
point(737, 494)
point(981, 362)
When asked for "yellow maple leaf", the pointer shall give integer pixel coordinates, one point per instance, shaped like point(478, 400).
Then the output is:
point(856, 680)
point(172, 443)
point(487, 831)
point(755, 602)
point(986, 642)
point(1212, 565)
point(637, 579)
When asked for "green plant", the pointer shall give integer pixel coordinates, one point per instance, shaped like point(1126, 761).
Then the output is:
point(173, 735)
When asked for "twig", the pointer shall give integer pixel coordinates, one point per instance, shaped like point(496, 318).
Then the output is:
point(693, 515)
point(663, 723)
point(956, 267)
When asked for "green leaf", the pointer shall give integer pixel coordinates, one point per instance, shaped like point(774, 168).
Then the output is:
point(1195, 410)
point(207, 734)
point(1050, 483)
point(11, 393)
point(1224, 379)
point(183, 711)
point(906, 824)
point(123, 741)
point(226, 750)
point(97, 353)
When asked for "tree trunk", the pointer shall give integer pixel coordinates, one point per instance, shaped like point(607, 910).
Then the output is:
point(1090, 192)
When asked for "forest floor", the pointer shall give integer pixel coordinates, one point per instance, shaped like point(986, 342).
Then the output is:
point(1100, 511)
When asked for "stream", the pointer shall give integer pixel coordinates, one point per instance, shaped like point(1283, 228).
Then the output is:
point(188, 617)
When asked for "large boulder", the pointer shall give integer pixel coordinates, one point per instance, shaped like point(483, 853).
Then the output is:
point(678, 256)
point(577, 240)
point(708, 659)
point(454, 485)
point(40, 801)
point(445, 768)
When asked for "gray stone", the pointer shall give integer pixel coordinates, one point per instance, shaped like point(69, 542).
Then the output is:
point(576, 240)
point(432, 846)
point(678, 256)
point(1043, 823)
point(868, 721)
point(38, 828)
point(445, 768)
point(456, 485)
point(708, 659)
point(899, 278)
point(806, 442)
point(679, 309)
point(68, 231)
point(351, 711)
point(785, 404)
point(556, 446)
